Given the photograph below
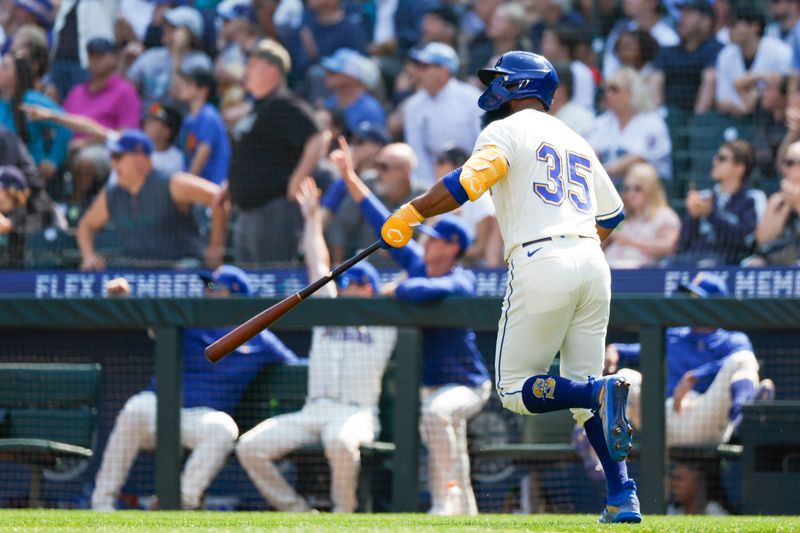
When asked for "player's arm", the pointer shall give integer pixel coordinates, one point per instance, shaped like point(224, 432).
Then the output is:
point(315, 251)
point(486, 167)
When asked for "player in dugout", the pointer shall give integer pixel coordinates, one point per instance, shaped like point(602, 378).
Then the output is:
point(345, 369)
point(210, 394)
point(455, 382)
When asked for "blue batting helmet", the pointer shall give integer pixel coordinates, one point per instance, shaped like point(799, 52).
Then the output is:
point(518, 75)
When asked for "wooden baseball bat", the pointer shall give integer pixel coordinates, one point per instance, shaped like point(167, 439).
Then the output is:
point(244, 332)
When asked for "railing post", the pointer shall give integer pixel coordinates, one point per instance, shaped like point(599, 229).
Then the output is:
point(652, 434)
point(169, 391)
point(408, 374)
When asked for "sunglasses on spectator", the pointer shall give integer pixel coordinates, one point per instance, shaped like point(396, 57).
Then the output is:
point(383, 166)
point(632, 188)
point(722, 158)
point(790, 162)
point(116, 156)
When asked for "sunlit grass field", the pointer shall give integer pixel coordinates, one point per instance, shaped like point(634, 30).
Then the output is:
point(58, 520)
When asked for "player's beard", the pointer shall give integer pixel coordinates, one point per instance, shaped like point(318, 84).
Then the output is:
point(498, 114)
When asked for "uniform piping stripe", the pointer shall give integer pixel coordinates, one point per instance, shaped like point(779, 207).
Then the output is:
point(505, 324)
point(612, 213)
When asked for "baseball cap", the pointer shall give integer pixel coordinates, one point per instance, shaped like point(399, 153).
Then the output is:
point(166, 114)
point(706, 285)
point(232, 278)
point(437, 54)
point(41, 9)
point(273, 52)
point(131, 141)
point(369, 131)
point(12, 178)
point(236, 9)
point(451, 229)
point(100, 45)
point(362, 273)
point(186, 17)
point(701, 6)
point(200, 76)
point(352, 64)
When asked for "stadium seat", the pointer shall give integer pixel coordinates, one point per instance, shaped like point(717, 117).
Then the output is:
point(47, 416)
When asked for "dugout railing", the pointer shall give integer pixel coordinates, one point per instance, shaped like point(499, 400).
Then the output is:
point(649, 315)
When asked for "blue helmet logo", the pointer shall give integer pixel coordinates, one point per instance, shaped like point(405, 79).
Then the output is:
point(518, 75)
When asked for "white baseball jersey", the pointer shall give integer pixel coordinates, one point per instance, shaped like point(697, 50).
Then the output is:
point(555, 184)
point(346, 364)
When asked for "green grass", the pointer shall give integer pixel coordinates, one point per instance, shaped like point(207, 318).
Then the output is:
point(57, 520)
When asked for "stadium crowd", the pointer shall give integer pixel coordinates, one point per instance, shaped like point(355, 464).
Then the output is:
point(691, 106)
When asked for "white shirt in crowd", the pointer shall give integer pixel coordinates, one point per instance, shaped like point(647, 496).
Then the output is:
point(168, 161)
point(432, 123)
point(576, 117)
point(138, 13)
point(583, 87)
point(645, 135)
point(772, 55)
point(537, 146)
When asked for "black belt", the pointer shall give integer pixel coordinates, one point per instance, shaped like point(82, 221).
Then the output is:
point(545, 239)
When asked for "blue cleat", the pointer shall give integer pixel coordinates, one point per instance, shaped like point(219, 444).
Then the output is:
point(611, 398)
point(622, 508)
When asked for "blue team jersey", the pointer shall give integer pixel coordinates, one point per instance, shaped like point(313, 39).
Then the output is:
point(687, 350)
point(450, 355)
point(220, 386)
point(207, 127)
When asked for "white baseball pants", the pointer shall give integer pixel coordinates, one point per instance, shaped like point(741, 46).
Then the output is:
point(342, 429)
point(557, 299)
point(209, 433)
point(443, 427)
point(703, 418)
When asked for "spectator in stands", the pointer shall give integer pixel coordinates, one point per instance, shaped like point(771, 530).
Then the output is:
point(631, 130)
point(350, 76)
point(204, 138)
point(690, 487)
point(155, 71)
point(479, 217)
point(269, 221)
point(46, 141)
point(38, 13)
point(637, 49)
point(440, 25)
point(210, 395)
point(480, 47)
point(14, 195)
point(554, 13)
point(778, 233)
point(31, 42)
point(444, 111)
point(651, 228)
point(345, 369)
point(394, 185)
point(162, 123)
point(455, 383)
point(151, 211)
point(76, 22)
point(711, 373)
point(741, 64)
point(155, 29)
point(13, 152)
point(770, 122)
point(508, 31)
point(683, 76)
point(238, 35)
point(784, 14)
point(558, 45)
point(719, 226)
point(408, 22)
point(564, 106)
point(648, 15)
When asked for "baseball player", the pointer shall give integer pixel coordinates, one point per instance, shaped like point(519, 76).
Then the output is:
point(711, 373)
point(555, 203)
point(210, 394)
point(455, 382)
point(345, 370)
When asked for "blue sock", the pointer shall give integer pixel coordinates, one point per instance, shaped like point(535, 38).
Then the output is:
point(616, 472)
point(741, 391)
point(543, 393)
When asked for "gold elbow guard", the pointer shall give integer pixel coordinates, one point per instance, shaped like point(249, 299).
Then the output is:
point(486, 167)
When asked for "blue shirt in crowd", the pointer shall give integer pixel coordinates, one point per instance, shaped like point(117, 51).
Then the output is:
point(450, 354)
point(206, 126)
point(366, 108)
point(683, 71)
point(703, 353)
point(220, 386)
point(47, 141)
